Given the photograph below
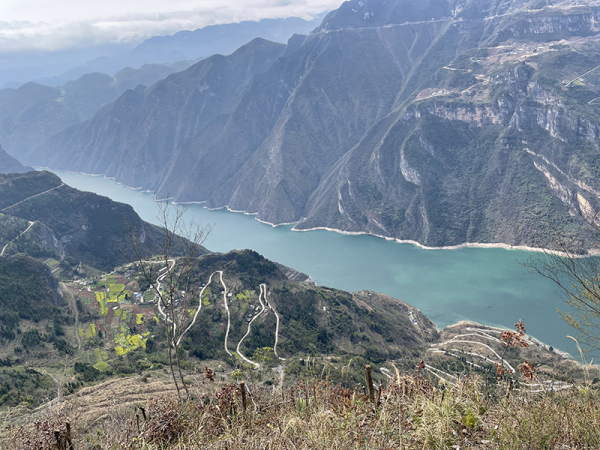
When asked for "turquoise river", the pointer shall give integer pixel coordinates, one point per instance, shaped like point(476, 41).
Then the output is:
point(489, 286)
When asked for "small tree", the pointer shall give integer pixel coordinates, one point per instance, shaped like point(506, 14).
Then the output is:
point(170, 276)
point(577, 274)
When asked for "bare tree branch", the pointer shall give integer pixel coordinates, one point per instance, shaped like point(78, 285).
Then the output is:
point(170, 276)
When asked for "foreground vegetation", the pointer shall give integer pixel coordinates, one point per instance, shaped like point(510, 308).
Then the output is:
point(409, 411)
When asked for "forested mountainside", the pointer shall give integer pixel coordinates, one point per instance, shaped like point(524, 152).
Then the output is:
point(8, 164)
point(44, 218)
point(439, 122)
point(111, 325)
point(306, 319)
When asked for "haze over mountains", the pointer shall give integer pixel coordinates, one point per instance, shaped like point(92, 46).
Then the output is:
point(8, 164)
point(438, 122)
point(192, 45)
point(33, 113)
point(56, 68)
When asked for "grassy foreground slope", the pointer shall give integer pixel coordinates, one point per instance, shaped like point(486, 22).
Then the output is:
point(409, 412)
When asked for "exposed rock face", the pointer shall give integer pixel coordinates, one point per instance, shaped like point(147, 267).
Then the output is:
point(443, 122)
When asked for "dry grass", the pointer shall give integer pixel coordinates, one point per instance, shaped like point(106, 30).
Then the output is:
point(412, 413)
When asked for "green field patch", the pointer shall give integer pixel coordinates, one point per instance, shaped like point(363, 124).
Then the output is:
point(191, 312)
point(100, 355)
point(121, 339)
point(114, 292)
point(127, 343)
point(205, 295)
point(148, 296)
point(81, 332)
point(91, 331)
point(101, 298)
point(126, 317)
point(102, 366)
point(50, 262)
point(118, 312)
point(136, 341)
point(156, 318)
point(243, 296)
point(139, 319)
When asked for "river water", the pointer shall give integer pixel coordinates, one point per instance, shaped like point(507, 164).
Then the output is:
point(489, 286)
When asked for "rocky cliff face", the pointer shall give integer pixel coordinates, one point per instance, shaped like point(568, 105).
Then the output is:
point(441, 122)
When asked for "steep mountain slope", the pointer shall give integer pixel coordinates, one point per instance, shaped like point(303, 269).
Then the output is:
point(89, 326)
point(27, 291)
point(41, 216)
point(8, 164)
point(440, 122)
point(144, 130)
point(33, 113)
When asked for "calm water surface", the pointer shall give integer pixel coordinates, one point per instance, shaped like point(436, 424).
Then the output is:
point(489, 286)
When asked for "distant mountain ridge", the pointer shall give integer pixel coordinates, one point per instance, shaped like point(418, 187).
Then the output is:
point(8, 164)
point(439, 122)
point(200, 96)
point(222, 39)
point(183, 46)
point(31, 114)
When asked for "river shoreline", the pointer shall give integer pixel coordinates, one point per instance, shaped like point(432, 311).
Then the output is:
point(592, 252)
point(483, 285)
point(500, 245)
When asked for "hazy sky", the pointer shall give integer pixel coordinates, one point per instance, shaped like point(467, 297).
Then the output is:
point(53, 25)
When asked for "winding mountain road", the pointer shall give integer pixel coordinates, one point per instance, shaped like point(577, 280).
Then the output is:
point(276, 327)
point(159, 282)
point(262, 296)
point(228, 313)
point(33, 196)
point(22, 233)
point(189, 327)
point(263, 290)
